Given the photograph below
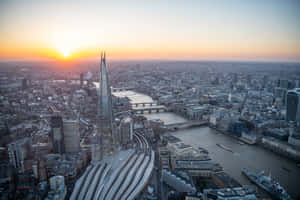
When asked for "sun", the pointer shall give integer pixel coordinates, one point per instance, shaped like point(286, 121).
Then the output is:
point(65, 53)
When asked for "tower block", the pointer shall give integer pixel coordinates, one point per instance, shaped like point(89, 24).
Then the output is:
point(105, 112)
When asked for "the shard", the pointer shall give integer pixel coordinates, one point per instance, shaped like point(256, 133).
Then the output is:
point(122, 173)
point(105, 111)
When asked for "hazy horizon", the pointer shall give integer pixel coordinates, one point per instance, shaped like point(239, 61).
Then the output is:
point(267, 30)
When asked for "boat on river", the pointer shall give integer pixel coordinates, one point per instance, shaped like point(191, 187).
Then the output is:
point(267, 184)
point(224, 147)
point(286, 169)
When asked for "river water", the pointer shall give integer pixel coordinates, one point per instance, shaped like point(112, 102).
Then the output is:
point(166, 117)
point(252, 157)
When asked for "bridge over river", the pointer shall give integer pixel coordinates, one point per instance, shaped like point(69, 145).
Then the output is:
point(187, 124)
point(150, 109)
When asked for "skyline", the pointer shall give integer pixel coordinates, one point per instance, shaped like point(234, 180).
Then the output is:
point(193, 30)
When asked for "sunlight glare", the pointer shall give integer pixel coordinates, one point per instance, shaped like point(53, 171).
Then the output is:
point(65, 52)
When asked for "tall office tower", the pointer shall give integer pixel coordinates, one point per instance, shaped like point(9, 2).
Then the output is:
point(249, 79)
point(283, 83)
point(265, 81)
point(24, 83)
point(18, 151)
point(293, 105)
point(126, 131)
point(29, 80)
point(281, 90)
point(57, 134)
point(235, 78)
point(81, 79)
point(71, 136)
point(105, 111)
point(286, 84)
point(297, 83)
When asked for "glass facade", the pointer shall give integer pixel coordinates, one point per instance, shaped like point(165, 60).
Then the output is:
point(292, 113)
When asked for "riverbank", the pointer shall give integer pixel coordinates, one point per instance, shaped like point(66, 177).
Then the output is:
point(269, 144)
point(247, 156)
point(252, 157)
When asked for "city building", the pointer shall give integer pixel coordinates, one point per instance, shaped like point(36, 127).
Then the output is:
point(57, 134)
point(265, 81)
point(280, 94)
point(237, 127)
point(19, 151)
point(105, 112)
point(71, 136)
point(58, 190)
point(293, 105)
point(24, 83)
point(81, 79)
point(294, 140)
point(126, 131)
point(196, 112)
point(164, 158)
point(284, 83)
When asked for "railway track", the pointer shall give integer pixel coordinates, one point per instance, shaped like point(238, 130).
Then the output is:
point(124, 181)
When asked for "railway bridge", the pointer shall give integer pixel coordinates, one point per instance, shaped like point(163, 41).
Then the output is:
point(121, 89)
point(150, 109)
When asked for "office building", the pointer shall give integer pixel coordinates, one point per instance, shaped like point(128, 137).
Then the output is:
point(105, 112)
point(71, 136)
point(81, 79)
point(293, 105)
point(126, 130)
point(235, 78)
point(24, 84)
point(265, 81)
point(57, 134)
point(18, 151)
point(58, 189)
point(286, 84)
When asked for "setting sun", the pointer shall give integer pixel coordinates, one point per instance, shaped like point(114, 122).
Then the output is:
point(65, 53)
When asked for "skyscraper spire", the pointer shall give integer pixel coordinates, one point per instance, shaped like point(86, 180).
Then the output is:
point(105, 107)
point(104, 111)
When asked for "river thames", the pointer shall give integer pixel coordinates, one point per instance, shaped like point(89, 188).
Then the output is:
point(252, 157)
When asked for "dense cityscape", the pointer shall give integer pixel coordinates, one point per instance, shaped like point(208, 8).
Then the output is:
point(150, 100)
point(130, 130)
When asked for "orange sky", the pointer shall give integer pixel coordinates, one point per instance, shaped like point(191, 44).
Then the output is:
point(197, 30)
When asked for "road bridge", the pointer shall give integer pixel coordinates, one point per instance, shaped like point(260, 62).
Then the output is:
point(151, 109)
point(144, 104)
point(121, 89)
